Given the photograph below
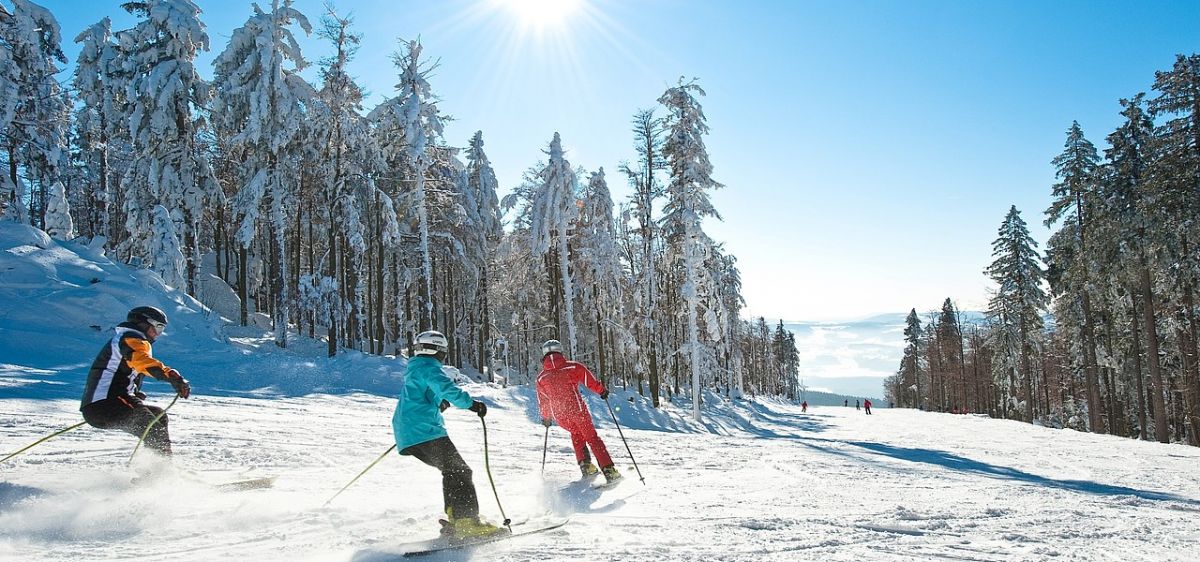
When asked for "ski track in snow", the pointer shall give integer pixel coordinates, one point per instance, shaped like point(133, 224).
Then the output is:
point(832, 484)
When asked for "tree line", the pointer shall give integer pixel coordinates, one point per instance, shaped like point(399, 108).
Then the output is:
point(1100, 332)
point(364, 226)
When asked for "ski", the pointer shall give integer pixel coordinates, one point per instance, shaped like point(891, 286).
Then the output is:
point(589, 484)
point(441, 544)
point(250, 484)
point(607, 485)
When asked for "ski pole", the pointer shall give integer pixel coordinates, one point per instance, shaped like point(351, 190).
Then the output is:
point(35, 443)
point(622, 433)
point(147, 430)
point(369, 466)
point(487, 465)
point(545, 443)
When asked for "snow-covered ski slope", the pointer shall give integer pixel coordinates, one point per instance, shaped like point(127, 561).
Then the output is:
point(758, 480)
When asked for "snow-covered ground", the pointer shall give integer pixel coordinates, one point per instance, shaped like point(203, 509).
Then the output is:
point(758, 480)
point(771, 484)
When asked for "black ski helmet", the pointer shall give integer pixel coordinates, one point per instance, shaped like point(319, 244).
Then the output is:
point(144, 314)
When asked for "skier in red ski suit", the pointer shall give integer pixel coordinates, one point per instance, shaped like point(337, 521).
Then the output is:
point(559, 400)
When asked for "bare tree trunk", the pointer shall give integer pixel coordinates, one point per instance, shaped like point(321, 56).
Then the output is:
point(1026, 375)
point(353, 335)
point(1161, 432)
point(1189, 351)
point(295, 258)
point(600, 356)
point(332, 271)
point(1137, 368)
point(408, 321)
point(485, 324)
point(975, 378)
point(218, 227)
point(230, 247)
point(243, 286)
point(380, 333)
point(101, 209)
point(398, 328)
point(1095, 422)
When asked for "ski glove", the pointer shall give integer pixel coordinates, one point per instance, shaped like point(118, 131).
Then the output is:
point(604, 394)
point(180, 384)
point(546, 422)
point(479, 408)
point(442, 407)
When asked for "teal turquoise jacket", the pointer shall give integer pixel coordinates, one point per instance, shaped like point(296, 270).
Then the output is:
point(417, 418)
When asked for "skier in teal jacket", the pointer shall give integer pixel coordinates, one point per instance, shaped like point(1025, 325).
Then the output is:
point(421, 433)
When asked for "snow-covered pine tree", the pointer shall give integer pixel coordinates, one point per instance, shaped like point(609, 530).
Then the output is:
point(599, 271)
point(520, 283)
point(1016, 310)
point(687, 206)
point(164, 254)
point(459, 250)
point(1129, 205)
point(763, 370)
point(93, 119)
point(348, 156)
point(1175, 177)
point(482, 184)
point(409, 125)
point(10, 76)
point(644, 262)
point(553, 212)
point(787, 360)
point(910, 364)
point(164, 94)
point(58, 213)
point(731, 304)
point(12, 208)
point(35, 137)
point(259, 108)
point(950, 338)
point(1076, 198)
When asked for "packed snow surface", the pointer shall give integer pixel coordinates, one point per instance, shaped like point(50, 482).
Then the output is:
point(757, 480)
point(761, 481)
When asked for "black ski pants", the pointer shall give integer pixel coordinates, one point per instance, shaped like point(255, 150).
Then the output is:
point(458, 492)
point(118, 414)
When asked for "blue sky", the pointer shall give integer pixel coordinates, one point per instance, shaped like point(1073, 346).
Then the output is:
point(869, 149)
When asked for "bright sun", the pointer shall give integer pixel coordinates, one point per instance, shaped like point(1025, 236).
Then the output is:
point(541, 14)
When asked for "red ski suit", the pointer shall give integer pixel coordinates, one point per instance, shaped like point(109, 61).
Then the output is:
point(559, 400)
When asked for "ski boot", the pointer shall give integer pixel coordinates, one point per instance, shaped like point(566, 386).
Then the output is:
point(611, 474)
point(588, 469)
point(466, 528)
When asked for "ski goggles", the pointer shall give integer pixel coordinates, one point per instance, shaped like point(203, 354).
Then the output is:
point(158, 327)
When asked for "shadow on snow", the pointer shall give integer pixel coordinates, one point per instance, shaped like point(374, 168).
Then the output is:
point(969, 466)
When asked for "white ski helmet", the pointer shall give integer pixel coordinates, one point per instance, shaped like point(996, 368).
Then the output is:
point(551, 346)
point(431, 343)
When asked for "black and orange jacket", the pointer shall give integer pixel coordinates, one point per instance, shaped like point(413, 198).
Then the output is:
point(119, 368)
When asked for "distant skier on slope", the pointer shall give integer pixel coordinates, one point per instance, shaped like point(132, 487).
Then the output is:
point(420, 432)
point(559, 400)
point(804, 406)
point(867, 405)
point(112, 398)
